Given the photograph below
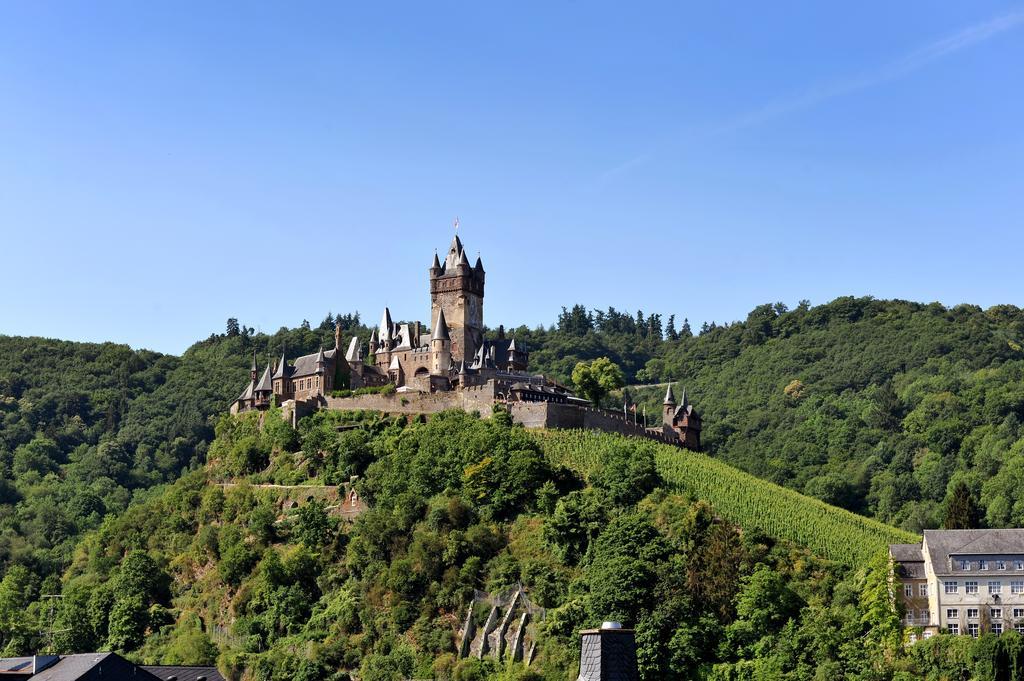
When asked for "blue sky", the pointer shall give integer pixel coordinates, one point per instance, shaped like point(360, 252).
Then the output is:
point(166, 165)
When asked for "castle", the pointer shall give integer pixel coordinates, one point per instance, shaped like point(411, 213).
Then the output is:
point(450, 365)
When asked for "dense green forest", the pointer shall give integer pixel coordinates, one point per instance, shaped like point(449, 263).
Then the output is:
point(195, 573)
point(894, 410)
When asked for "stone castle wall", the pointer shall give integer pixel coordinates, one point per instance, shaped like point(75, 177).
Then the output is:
point(569, 416)
point(477, 398)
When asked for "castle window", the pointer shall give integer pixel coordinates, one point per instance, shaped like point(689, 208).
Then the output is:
point(1017, 587)
point(908, 590)
point(952, 613)
point(995, 587)
point(922, 590)
point(996, 613)
point(1018, 612)
point(954, 587)
point(970, 587)
point(972, 613)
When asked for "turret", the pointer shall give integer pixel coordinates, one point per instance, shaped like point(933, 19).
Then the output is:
point(458, 289)
point(254, 372)
point(668, 409)
point(321, 361)
point(355, 351)
point(435, 268)
point(441, 347)
point(386, 330)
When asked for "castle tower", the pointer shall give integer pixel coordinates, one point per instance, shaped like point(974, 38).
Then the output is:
point(441, 347)
point(385, 339)
point(668, 409)
point(254, 372)
point(457, 289)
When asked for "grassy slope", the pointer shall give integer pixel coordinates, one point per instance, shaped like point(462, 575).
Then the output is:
point(750, 502)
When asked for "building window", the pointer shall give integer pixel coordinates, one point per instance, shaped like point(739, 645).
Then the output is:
point(996, 613)
point(1017, 587)
point(1000, 565)
point(972, 629)
point(970, 587)
point(965, 565)
point(908, 590)
point(1019, 627)
point(983, 564)
point(1018, 565)
point(952, 614)
point(954, 628)
point(997, 627)
point(972, 613)
point(995, 587)
point(922, 590)
point(1018, 612)
point(910, 617)
point(952, 587)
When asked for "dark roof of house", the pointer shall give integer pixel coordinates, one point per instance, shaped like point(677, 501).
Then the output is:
point(906, 553)
point(247, 393)
point(265, 384)
point(90, 666)
point(306, 365)
point(182, 673)
point(942, 544)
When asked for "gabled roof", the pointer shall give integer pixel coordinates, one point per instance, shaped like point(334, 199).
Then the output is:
point(265, 384)
point(93, 665)
point(308, 365)
point(395, 364)
point(440, 328)
point(184, 673)
point(942, 544)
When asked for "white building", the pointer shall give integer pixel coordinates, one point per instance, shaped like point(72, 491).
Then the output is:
point(962, 581)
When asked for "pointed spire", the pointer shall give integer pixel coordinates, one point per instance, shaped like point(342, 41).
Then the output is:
point(354, 353)
point(479, 263)
point(683, 402)
point(282, 367)
point(254, 368)
point(320, 359)
point(265, 385)
point(670, 397)
point(386, 326)
point(463, 260)
point(456, 246)
point(437, 263)
point(440, 328)
point(512, 345)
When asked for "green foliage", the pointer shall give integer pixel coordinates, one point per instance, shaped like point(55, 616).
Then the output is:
point(597, 378)
point(752, 503)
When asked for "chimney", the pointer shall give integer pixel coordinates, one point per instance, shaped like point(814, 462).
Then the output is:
point(608, 654)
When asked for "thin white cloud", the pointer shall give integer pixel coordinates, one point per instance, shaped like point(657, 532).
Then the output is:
point(905, 65)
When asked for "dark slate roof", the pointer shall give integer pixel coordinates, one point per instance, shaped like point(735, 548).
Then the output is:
point(247, 393)
point(18, 667)
point(265, 384)
point(184, 673)
point(906, 553)
point(670, 397)
point(92, 666)
point(440, 328)
point(306, 365)
point(942, 544)
point(437, 263)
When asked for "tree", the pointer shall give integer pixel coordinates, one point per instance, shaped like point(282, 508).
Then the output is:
point(232, 327)
point(962, 512)
point(670, 328)
point(598, 378)
point(685, 331)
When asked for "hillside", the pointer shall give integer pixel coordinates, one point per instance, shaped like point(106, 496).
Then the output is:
point(462, 510)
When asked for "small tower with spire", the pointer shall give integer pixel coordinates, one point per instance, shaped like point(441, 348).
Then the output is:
point(668, 409)
point(441, 347)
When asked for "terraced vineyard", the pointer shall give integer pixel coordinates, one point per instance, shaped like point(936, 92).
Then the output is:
point(750, 502)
